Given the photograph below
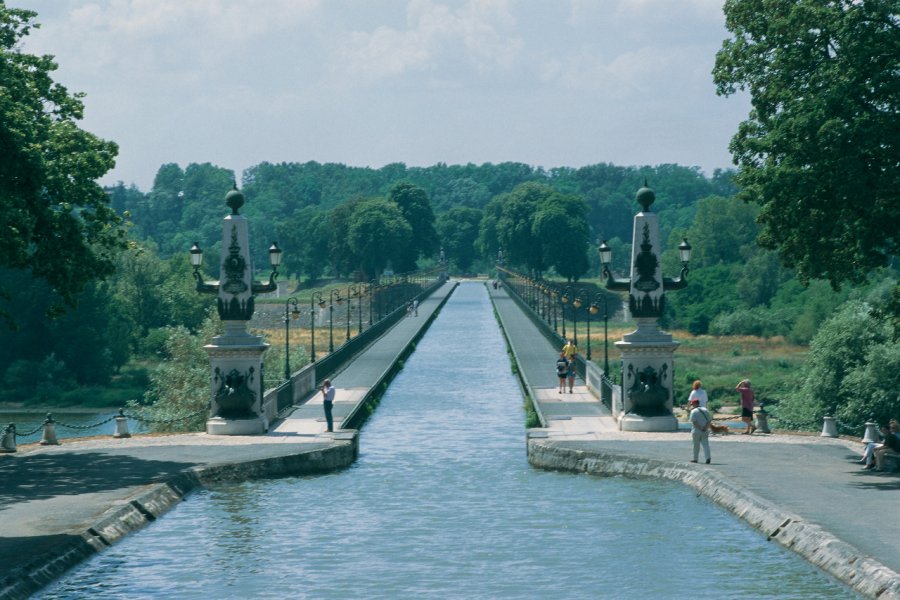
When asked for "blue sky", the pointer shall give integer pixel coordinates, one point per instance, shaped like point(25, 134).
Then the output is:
point(367, 83)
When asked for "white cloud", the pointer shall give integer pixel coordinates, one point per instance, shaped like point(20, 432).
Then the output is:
point(369, 83)
point(481, 28)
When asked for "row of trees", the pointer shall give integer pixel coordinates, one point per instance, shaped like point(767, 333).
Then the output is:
point(303, 204)
point(817, 159)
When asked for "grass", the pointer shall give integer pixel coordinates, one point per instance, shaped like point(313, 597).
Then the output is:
point(772, 364)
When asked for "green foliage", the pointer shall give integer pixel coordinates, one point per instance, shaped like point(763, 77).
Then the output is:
point(304, 237)
point(721, 228)
point(180, 385)
point(58, 225)
point(458, 230)
point(416, 209)
point(820, 148)
point(708, 294)
point(870, 390)
point(538, 227)
point(760, 321)
point(378, 235)
point(848, 353)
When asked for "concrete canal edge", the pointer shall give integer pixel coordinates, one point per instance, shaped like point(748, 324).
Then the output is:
point(154, 500)
point(837, 558)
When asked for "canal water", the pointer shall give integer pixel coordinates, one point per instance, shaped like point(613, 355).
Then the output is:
point(443, 504)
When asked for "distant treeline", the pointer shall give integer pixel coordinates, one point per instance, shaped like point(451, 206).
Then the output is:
point(185, 205)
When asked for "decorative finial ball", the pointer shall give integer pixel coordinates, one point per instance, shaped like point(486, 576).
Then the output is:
point(645, 197)
point(234, 199)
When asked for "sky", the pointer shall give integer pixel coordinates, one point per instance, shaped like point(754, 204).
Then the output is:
point(372, 82)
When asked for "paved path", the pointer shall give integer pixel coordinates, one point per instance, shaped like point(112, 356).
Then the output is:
point(53, 497)
point(363, 373)
point(816, 478)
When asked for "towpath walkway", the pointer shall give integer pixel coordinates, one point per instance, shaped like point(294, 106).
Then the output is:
point(61, 504)
point(814, 478)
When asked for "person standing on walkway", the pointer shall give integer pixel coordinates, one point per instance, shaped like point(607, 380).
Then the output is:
point(570, 350)
point(416, 308)
point(700, 420)
point(571, 374)
point(328, 403)
point(698, 393)
point(748, 399)
point(562, 370)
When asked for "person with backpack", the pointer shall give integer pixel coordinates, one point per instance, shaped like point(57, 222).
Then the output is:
point(562, 370)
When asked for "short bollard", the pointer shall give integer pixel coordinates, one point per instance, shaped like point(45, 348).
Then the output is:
point(829, 427)
point(8, 442)
point(49, 437)
point(871, 434)
point(121, 425)
point(762, 421)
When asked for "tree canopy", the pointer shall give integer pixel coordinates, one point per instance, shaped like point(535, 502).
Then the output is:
point(57, 221)
point(820, 149)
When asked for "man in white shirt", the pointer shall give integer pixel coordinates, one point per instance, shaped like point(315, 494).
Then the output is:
point(700, 420)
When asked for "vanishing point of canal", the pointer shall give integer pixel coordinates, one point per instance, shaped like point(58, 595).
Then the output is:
point(443, 504)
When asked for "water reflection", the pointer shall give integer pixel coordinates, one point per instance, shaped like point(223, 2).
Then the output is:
point(442, 504)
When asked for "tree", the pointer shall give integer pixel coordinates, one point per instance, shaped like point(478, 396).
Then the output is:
point(304, 238)
point(820, 149)
point(458, 228)
point(377, 234)
point(57, 221)
point(560, 226)
point(843, 355)
point(416, 209)
point(721, 229)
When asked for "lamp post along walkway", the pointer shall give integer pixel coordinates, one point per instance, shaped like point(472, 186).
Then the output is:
point(236, 364)
point(647, 353)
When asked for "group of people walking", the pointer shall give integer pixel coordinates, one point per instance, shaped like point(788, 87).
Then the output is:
point(565, 367)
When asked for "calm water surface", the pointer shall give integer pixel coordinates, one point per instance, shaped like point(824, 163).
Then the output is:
point(442, 504)
point(69, 423)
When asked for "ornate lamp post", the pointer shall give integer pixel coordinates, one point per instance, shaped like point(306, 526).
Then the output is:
point(373, 289)
point(291, 304)
point(334, 296)
point(566, 295)
point(595, 308)
point(576, 304)
point(351, 292)
point(553, 297)
point(647, 353)
point(236, 355)
point(363, 291)
point(584, 296)
point(313, 300)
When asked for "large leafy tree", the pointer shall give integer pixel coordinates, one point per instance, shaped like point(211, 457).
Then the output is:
point(560, 226)
point(377, 234)
point(820, 149)
point(416, 208)
point(458, 228)
point(304, 238)
point(56, 220)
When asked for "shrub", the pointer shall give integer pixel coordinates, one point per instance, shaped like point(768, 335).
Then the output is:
point(845, 344)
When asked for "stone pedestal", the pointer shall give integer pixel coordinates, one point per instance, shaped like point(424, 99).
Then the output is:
point(647, 377)
point(237, 382)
